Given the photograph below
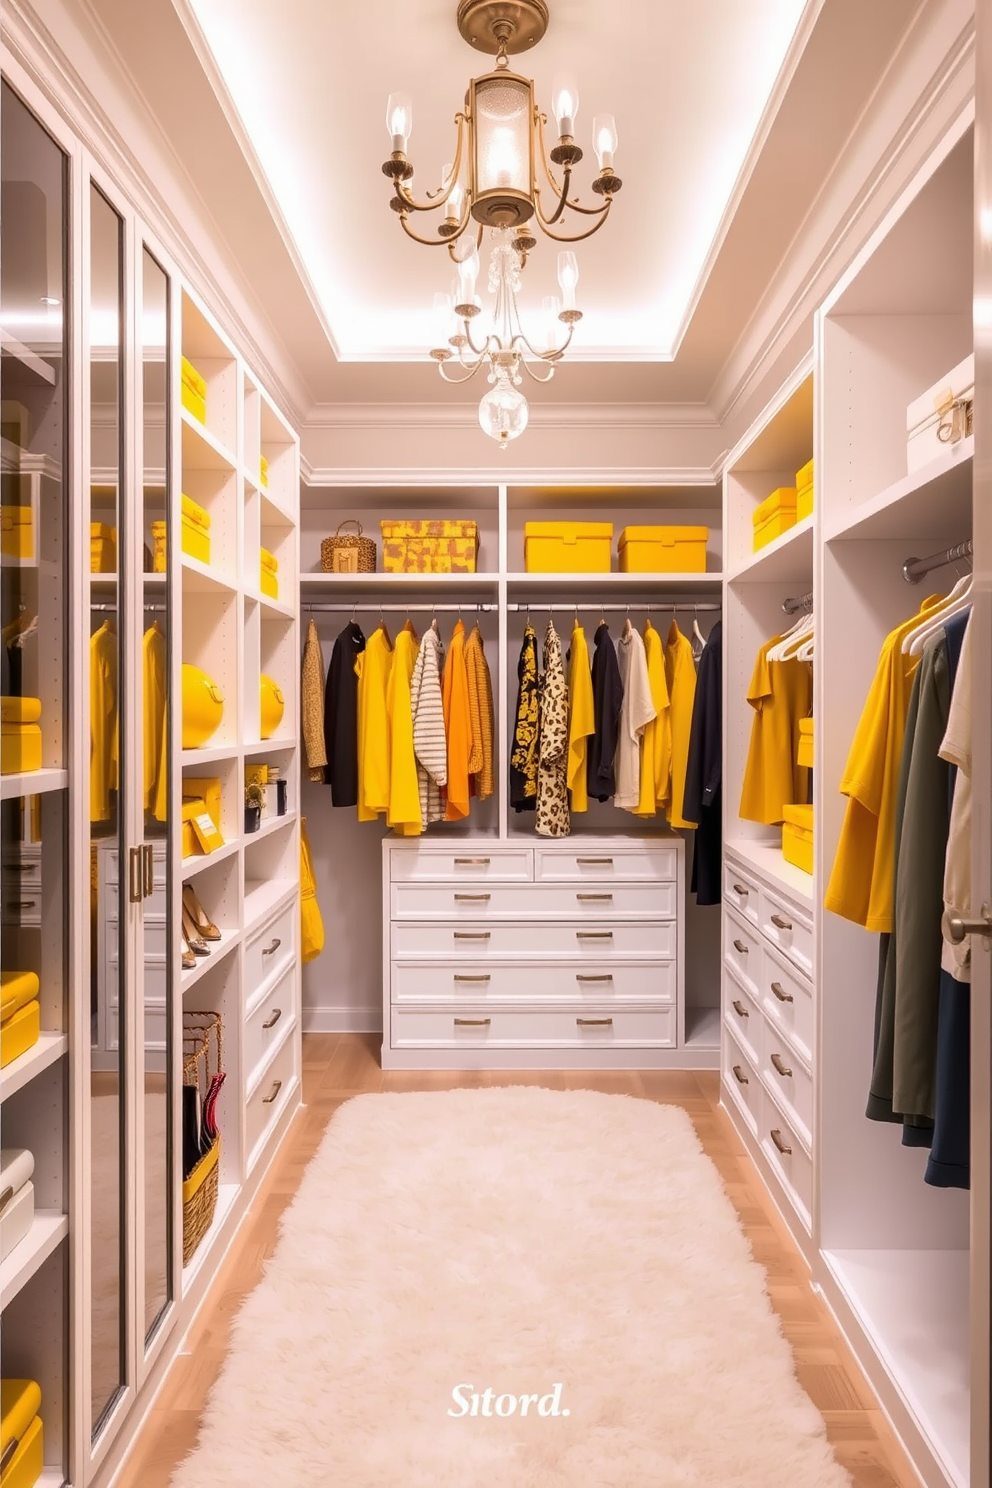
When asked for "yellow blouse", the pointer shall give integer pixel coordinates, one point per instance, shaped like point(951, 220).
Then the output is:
point(781, 693)
point(404, 788)
point(457, 725)
point(103, 721)
point(656, 744)
point(156, 776)
point(581, 719)
point(680, 676)
point(372, 667)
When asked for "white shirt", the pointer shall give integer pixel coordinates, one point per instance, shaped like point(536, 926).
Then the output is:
point(956, 749)
point(636, 712)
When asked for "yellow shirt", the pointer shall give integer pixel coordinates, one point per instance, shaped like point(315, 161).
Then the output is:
point(156, 796)
point(781, 693)
point(457, 726)
point(372, 667)
point(404, 787)
point(581, 719)
point(656, 742)
point(680, 677)
point(103, 721)
point(860, 887)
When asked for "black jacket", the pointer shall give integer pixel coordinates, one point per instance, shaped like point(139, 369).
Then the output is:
point(703, 796)
point(607, 697)
point(341, 717)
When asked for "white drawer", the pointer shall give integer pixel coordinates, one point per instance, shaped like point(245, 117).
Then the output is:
point(153, 939)
point(267, 1022)
point(271, 948)
point(22, 906)
point(155, 983)
point(744, 1017)
point(607, 864)
point(534, 902)
point(534, 1029)
point(788, 929)
point(742, 950)
point(154, 907)
point(155, 1030)
point(651, 982)
point(789, 1160)
point(498, 942)
point(265, 1104)
point(463, 864)
point(21, 871)
point(788, 1001)
point(790, 1083)
point(740, 890)
point(742, 1081)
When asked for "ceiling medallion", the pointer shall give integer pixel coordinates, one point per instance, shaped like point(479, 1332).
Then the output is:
point(494, 184)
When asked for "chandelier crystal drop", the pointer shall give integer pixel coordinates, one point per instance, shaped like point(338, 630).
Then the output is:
point(502, 181)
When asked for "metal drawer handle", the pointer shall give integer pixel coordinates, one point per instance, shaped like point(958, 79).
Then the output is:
point(595, 862)
point(608, 977)
point(782, 995)
point(741, 947)
point(472, 934)
point(274, 1019)
point(268, 1099)
point(459, 978)
point(782, 1146)
point(472, 862)
point(270, 950)
point(740, 889)
point(594, 934)
point(606, 898)
point(740, 1009)
point(23, 904)
point(739, 1076)
point(781, 924)
point(19, 867)
point(147, 869)
point(472, 1022)
point(782, 1068)
point(134, 874)
point(594, 1022)
point(472, 898)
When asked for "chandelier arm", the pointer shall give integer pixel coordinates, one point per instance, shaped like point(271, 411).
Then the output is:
point(470, 373)
point(427, 242)
point(562, 200)
point(532, 374)
point(436, 198)
point(479, 351)
point(578, 237)
point(540, 120)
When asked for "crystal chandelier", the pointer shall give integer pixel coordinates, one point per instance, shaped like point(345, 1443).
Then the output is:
point(493, 184)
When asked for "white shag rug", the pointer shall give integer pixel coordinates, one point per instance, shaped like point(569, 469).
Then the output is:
point(510, 1240)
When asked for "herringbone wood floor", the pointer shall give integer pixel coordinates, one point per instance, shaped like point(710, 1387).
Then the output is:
point(337, 1066)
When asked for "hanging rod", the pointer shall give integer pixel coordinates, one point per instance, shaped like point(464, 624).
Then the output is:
point(801, 602)
point(112, 609)
point(914, 569)
point(616, 609)
point(370, 607)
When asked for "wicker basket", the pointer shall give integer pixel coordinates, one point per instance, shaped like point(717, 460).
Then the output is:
point(348, 554)
point(202, 1046)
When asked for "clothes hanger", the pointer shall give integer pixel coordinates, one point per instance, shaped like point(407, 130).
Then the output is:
point(697, 634)
point(796, 633)
point(933, 620)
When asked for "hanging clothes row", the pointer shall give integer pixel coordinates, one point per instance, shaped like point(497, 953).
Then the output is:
point(104, 732)
point(781, 695)
point(399, 731)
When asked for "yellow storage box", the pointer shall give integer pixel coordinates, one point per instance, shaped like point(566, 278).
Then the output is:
point(663, 549)
point(16, 531)
point(567, 547)
point(797, 836)
point(19, 1033)
point(206, 792)
point(269, 574)
point(804, 754)
point(194, 392)
point(263, 470)
point(22, 1449)
point(103, 548)
point(774, 516)
point(20, 735)
point(804, 491)
point(17, 989)
point(429, 546)
point(194, 537)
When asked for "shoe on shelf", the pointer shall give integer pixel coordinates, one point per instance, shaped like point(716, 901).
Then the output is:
point(197, 944)
point(189, 959)
point(205, 927)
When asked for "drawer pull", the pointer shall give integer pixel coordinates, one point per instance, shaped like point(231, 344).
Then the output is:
point(274, 1019)
point(270, 950)
point(739, 1076)
point(268, 1099)
point(782, 995)
point(740, 947)
point(779, 1064)
point(594, 1022)
point(594, 934)
point(472, 1022)
point(472, 862)
point(740, 889)
point(23, 904)
point(595, 862)
point(781, 924)
point(606, 977)
point(19, 867)
point(740, 1009)
point(605, 898)
point(782, 1146)
point(460, 978)
point(472, 934)
point(472, 898)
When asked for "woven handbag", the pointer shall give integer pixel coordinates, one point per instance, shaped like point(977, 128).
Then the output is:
point(203, 1046)
point(348, 554)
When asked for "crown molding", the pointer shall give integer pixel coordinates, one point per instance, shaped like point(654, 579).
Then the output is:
point(498, 475)
point(338, 416)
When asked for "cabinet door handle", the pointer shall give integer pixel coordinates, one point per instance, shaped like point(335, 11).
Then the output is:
point(781, 994)
point(147, 870)
point(23, 904)
point(781, 924)
point(270, 950)
point(134, 874)
point(780, 1065)
point(739, 1076)
point(273, 1020)
point(472, 934)
point(740, 1009)
point(268, 1099)
point(740, 947)
point(594, 934)
point(472, 862)
point(594, 1022)
point(595, 862)
point(460, 978)
point(472, 1022)
point(607, 977)
point(605, 898)
point(782, 1146)
point(740, 889)
point(472, 898)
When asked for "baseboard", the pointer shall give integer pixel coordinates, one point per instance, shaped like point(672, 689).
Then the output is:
point(342, 1020)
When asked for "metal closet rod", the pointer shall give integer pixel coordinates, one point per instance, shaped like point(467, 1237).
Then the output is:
point(800, 602)
point(914, 569)
point(112, 609)
point(616, 609)
point(362, 606)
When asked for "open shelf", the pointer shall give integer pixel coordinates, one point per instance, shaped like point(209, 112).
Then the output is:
point(272, 609)
point(218, 950)
point(766, 858)
point(922, 506)
point(201, 449)
point(702, 1028)
point(200, 578)
point(32, 783)
point(48, 1229)
point(211, 754)
point(226, 1198)
point(189, 867)
point(267, 746)
point(619, 583)
point(315, 585)
point(17, 1074)
point(264, 896)
point(273, 824)
point(789, 559)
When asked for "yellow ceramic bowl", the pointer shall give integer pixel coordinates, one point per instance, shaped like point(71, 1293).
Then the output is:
point(203, 707)
point(273, 705)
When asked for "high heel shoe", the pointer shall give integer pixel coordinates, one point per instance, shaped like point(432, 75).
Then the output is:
point(197, 945)
point(189, 960)
point(205, 927)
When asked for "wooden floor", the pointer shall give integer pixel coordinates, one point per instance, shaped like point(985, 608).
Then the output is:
point(337, 1066)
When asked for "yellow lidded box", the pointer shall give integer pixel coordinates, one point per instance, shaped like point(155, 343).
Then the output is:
point(16, 532)
point(103, 548)
point(194, 391)
point(19, 1033)
point(269, 574)
point(775, 515)
point(797, 837)
point(263, 470)
point(22, 1449)
point(441, 546)
point(20, 735)
point(804, 753)
point(567, 547)
point(194, 536)
point(17, 989)
point(663, 549)
point(804, 491)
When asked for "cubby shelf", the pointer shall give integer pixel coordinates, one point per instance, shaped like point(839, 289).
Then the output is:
point(766, 858)
point(32, 783)
point(201, 449)
point(263, 897)
point(267, 828)
point(201, 578)
point(267, 746)
point(210, 755)
point(921, 506)
point(17, 1074)
point(702, 1028)
point(218, 950)
point(48, 1229)
point(272, 609)
point(189, 867)
point(789, 559)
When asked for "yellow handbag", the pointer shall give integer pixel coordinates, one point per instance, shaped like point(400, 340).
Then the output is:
point(311, 921)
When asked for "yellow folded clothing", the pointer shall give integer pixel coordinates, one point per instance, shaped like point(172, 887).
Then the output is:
point(20, 710)
point(17, 989)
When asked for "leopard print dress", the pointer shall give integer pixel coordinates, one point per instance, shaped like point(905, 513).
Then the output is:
point(552, 775)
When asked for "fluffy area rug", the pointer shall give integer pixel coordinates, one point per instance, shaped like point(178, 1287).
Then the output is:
point(450, 1255)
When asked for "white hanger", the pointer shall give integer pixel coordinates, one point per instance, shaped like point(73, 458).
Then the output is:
point(697, 634)
point(959, 599)
point(798, 633)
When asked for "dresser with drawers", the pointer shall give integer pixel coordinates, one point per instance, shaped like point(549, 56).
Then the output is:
point(768, 1032)
point(544, 955)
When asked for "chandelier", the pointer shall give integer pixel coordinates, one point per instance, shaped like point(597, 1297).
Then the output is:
point(494, 185)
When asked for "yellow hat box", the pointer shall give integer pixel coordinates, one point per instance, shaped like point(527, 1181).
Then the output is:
point(269, 574)
point(263, 470)
point(663, 549)
point(20, 1032)
point(17, 531)
point(22, 1447)
point(775, 515)
point(20, 735)
point(568, 547)
point(797, 837)
point(804, 753)
point(17, 989)
point(203, 707)
point(273, 705)
point(194, 391)
point(103, 548)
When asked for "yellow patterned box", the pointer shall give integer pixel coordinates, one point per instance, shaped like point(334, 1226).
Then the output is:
point(429, 546)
